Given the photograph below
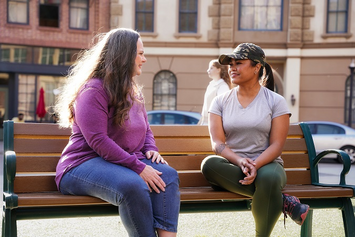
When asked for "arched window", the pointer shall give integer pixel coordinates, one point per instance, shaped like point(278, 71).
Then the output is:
point(164, 91)
point(347, 101)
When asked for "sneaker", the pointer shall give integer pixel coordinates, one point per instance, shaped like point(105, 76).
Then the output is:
point(294, 208)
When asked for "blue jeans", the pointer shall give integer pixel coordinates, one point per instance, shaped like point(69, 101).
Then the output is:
point(141, 211)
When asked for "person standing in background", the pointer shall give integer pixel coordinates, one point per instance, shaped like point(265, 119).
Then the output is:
point(220, 83)
point(19, 119)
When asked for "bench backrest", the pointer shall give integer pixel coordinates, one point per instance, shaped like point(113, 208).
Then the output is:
point(38, 148)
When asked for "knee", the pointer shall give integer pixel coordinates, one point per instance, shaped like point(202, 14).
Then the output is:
point(209, 163)
point(134, 188)
point(269, 181)
point(170, 176)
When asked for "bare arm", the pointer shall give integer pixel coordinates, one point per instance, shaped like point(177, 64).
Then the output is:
point(278, 135)
point(218, 140)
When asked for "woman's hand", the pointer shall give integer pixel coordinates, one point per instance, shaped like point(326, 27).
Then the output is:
point(155, 156)
point(152, 178)
point(247, 165)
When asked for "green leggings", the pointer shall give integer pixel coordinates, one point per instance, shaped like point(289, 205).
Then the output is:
point(265, 191)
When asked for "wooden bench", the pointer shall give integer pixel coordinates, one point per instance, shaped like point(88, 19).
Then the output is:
point(31, 152)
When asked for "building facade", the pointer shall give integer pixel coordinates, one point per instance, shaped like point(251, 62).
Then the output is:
point(39, 41)
point(309, 44)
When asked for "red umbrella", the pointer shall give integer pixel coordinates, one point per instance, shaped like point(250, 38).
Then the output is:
point(41, 109)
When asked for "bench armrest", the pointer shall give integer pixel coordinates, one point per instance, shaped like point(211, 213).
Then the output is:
point(9, 197)
point(346, 167)
point(344, 156)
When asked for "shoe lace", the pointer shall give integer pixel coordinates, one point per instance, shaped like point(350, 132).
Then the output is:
point(288, 207)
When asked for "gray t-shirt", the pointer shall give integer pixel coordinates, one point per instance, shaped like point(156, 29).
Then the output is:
point(248, 129)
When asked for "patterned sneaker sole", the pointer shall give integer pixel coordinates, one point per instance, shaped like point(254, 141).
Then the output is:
point(304, 215)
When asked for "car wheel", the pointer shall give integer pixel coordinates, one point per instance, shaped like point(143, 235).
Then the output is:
point(350, 150)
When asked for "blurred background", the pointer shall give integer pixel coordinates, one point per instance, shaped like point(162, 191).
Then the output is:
point(309, 43)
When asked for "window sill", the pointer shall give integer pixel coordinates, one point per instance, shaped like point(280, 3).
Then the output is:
point(337, 35)
point(79, 31)
point(18, 25)
point(186, 35)
point(47, 28)
point(149, 34)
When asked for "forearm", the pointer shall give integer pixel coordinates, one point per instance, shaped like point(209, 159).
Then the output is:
point(268, 156)
point(222, 149)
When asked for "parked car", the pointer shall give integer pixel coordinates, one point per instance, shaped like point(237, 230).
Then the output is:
point(330, 135)
point(172, 117)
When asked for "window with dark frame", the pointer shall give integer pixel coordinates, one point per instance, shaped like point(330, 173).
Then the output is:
point(49, 13)
point(347, 101)
point(337, 16)
point(260, 15)
point(164, 90)
point(37, 55)
point(79, 14)
point(47, 56)
point(29, 86)
point(17, 11)
point(145, 15)
point(188, 11)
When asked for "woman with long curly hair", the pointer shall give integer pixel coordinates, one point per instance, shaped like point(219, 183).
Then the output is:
point(111, 153)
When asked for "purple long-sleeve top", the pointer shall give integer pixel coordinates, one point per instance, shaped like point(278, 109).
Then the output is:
point(95, 134)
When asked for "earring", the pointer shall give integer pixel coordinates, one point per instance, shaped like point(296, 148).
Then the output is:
point(255, 72)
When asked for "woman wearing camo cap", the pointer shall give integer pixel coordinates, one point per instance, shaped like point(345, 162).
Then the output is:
point(248, 128)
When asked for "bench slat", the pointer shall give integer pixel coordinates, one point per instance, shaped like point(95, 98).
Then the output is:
point(40, 129)
point(39, 145)
point(166, 145)
point(183, 145)
point(42, 163)
point(36, 163)
point(296, 160)
point(33, 182)
point(292, 145)
point(187, 194)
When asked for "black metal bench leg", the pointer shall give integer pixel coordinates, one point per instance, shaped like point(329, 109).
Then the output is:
point(9, 226)
point(306, 228)
point(348, 217)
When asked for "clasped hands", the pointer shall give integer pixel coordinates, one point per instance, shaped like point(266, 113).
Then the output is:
point(150, 175)
point(248, 167)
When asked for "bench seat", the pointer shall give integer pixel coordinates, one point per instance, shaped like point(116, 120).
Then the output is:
point(33, 150)
point(187, 194)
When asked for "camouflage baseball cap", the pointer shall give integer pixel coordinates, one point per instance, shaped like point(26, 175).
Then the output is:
point(244, 51)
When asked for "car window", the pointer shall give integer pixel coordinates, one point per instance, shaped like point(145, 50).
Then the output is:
point(326, 129)
point(169, 118)
point(175, 119)
point(192, 120)
point(313, 128)
point(155, 118)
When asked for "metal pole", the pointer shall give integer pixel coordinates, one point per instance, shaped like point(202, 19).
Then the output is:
point(351, 67)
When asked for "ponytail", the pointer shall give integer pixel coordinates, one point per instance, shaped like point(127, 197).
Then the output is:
point(268, 79)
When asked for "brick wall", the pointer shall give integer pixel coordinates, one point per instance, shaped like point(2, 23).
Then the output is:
point(35, 35)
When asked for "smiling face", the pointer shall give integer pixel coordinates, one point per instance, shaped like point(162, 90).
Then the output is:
point(140, 58)
point(242, 71)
